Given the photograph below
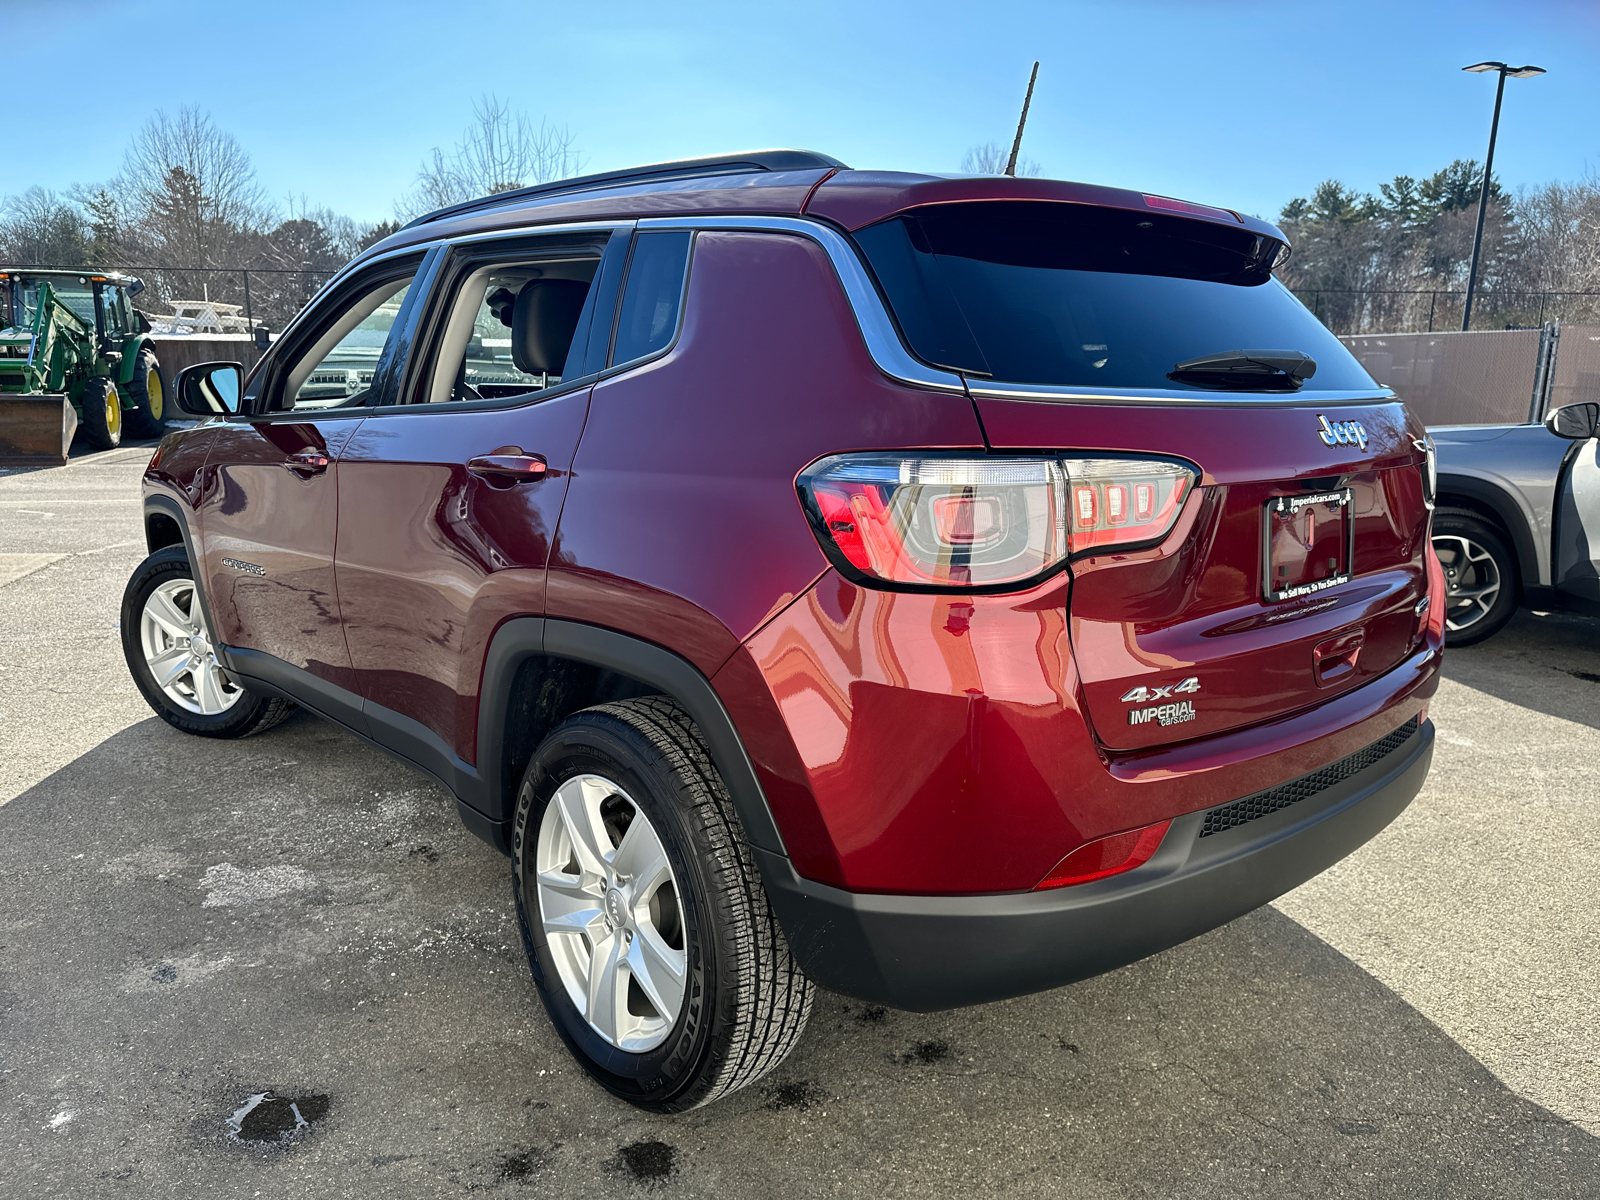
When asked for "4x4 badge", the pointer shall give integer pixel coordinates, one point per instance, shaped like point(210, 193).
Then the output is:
point(1140, 695)
point(1342, 433)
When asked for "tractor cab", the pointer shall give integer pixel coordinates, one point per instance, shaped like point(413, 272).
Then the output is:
point(100, 301)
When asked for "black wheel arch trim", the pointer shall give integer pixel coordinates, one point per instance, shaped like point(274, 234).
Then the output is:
point(1497, 501)
point(521, 638)
point(168, 507)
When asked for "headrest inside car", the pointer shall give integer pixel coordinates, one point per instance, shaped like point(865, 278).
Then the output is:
point(543, 322)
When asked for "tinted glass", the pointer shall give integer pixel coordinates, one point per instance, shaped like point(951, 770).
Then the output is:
point(342, 376)
point(479, 358)
point(652, 295)
point(1075, 296)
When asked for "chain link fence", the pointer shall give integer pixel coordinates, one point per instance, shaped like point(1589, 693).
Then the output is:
point(1391, 310)
point(264, 296)
point(1485, 377)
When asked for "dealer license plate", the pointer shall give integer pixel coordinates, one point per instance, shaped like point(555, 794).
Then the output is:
point(1307, 544)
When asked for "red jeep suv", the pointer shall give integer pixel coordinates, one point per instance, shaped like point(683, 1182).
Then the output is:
point(931, 589)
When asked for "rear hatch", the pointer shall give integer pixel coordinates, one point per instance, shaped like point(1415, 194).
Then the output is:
point(1292, 570)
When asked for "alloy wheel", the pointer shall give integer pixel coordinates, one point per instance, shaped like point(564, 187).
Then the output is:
point(1471, 580)
point(152, 389)
point(113, 411)
point(612, 917)
point(179, 652)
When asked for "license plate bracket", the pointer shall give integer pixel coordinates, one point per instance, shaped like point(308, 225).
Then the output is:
point(1307, 544)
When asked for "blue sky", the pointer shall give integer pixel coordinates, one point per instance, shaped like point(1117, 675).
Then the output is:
point(1237, 104)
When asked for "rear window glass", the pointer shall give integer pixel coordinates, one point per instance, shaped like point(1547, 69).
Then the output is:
point(1075, 296)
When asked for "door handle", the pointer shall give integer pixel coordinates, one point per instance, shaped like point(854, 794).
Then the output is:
point(508, 466)
point(307, 463)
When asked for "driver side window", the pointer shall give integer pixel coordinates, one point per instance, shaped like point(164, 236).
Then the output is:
point(339, 368)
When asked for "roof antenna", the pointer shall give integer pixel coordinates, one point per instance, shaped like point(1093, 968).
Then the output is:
point(1011, 166)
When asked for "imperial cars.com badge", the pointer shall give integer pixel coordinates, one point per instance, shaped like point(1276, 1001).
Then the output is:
point(1163, 714)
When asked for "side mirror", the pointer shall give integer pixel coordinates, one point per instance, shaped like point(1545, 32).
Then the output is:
point(1576, 421)
point(135, 286)
point(210, 389)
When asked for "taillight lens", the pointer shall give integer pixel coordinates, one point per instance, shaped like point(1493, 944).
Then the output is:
point(941, 522)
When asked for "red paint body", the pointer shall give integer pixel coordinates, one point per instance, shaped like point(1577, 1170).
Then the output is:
point(905, 743)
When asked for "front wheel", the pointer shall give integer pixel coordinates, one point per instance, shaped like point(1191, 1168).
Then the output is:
point(173, 659)
point(1480, 576)
point(646, 925)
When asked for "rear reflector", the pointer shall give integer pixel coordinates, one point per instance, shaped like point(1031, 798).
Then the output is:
point(1106, 856)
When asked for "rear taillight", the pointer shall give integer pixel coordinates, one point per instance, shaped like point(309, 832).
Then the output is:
point(941, 522)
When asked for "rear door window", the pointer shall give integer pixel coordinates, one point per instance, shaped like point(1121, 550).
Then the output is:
point(653, 295)
point(514, 326)
point(1070, 295)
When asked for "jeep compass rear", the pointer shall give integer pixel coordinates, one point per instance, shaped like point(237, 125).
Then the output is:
point(933, 589)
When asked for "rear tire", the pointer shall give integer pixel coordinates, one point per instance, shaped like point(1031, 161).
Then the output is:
point(736, 1000)
point(100, 418)
point(1480, 576)
point(164, 631)
point(148, 391)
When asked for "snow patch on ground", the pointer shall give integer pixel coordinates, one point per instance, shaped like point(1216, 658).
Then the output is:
point(229, 885)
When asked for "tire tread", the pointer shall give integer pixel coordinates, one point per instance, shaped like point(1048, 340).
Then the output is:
point(774, 998)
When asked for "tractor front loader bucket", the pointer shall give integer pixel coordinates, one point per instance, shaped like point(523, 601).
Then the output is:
point(35, 429)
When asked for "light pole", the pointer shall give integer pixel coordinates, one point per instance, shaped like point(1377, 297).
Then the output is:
point(1488, 167)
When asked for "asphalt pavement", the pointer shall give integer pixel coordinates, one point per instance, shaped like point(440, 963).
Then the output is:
point(204, 945)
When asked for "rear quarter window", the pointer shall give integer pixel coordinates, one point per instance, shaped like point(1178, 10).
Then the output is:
point(1071, 295)
point(652, 295)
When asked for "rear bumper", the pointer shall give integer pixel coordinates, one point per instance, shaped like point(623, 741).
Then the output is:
point(926, 953)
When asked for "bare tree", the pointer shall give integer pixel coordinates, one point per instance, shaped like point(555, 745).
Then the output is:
point(501, 151)
point(40, 229)
point(1558, 248)
point(190, 190)
point(990, 158)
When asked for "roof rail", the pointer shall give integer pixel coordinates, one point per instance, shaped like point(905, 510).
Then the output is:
point(685, 168)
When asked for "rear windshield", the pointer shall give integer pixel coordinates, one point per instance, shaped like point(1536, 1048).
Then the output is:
point(1075, 296)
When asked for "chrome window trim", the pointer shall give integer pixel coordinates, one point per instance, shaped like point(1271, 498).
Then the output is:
point(423, 248)
point(872, 317)
point(1045, 394)
point(877, 327)
point(894, 359)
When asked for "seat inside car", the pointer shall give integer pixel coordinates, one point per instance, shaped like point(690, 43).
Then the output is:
point(542, 324)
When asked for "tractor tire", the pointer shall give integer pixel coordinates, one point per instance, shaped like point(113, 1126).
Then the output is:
point(148, 391)
point(100, 414)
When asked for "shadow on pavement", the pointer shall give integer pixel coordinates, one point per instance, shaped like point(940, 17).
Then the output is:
point(280, 966)
point(1549, 663)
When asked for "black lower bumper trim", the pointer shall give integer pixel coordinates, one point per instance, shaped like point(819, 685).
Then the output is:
point(926, 953)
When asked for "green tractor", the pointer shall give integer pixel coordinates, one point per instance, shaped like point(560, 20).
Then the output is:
point(73, 351)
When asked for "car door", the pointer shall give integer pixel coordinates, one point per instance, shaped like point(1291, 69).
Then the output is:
point(269, 505)
point(449, 498)
point(1577, 525)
